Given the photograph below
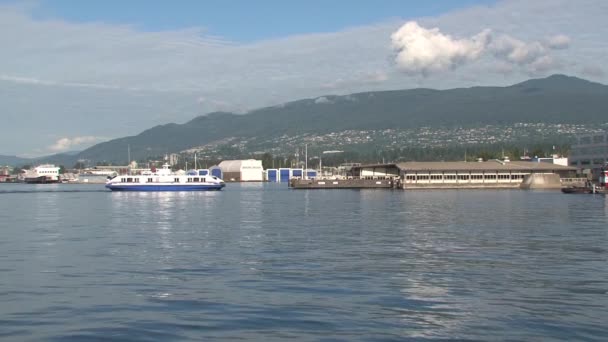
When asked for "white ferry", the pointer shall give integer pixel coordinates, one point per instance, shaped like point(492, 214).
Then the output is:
point(42, 174)
point(164, 180)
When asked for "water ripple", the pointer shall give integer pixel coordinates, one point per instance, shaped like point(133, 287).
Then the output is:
point(260, 262)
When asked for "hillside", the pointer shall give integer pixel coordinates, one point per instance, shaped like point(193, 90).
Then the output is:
point(557, 99)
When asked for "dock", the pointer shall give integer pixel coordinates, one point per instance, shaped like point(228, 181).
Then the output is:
point(493, 174)
point(339, 183)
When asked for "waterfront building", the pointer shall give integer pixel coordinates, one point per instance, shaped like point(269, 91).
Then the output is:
point(249, 170)
point(590, 153)
point(494, 173)
point(5, 173)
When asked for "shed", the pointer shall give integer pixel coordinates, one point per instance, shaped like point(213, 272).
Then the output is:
point(248, 170)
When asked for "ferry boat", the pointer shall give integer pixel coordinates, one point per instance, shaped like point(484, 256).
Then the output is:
point(42, 174)
point(164, 180)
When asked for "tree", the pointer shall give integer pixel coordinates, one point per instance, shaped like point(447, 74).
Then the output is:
point(267, 160)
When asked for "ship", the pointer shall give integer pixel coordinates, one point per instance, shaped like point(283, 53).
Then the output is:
point(164, 180)
point(42, 174)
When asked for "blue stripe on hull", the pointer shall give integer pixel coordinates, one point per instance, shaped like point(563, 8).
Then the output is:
point(164, 187)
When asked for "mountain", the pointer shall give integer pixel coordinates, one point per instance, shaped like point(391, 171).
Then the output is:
point(66, 158)
point(12, 160)
point(557, 99)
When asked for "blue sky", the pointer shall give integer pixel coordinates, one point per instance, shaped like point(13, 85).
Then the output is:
point(241, 20)
point(89, 71)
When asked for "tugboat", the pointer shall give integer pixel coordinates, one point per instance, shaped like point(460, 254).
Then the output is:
point(164, 180)
point(577, 190)
point(590, 188)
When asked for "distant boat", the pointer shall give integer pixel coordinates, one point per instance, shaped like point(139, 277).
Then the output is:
point(577, 190)
point(164, 180)
point(42, 174)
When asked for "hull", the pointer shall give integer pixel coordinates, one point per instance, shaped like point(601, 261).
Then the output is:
point(577, 190)
point(161, 187)
point(40, 180)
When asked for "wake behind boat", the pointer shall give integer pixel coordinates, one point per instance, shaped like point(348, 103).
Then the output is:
point(164, 180)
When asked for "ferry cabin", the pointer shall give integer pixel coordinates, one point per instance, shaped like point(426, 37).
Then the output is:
point(164, 179)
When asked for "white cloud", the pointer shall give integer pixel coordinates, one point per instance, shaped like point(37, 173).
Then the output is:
point(517, 51)
point(424, 51)
point(421, 50)
point(65, 144)
point(560, 41)
point(322, 99)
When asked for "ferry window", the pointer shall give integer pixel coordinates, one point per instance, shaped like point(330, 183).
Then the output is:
point(176, 180)
point(423, 177)
point(123, 180)
point(189, 180)
point(196, 179)
point(490, 176)
point(149, 180)
point(463, 177)
point(129, 180)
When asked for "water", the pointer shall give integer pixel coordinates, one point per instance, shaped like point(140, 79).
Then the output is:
point(262, 262)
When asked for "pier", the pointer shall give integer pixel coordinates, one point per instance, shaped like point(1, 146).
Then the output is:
point(493, 174)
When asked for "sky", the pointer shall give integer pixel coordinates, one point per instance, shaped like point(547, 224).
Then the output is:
point(75, 73)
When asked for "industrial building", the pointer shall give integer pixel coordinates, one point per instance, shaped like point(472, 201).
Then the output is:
point(590, 154)
point(283, 175)
point(484, 174)
point(249, 170)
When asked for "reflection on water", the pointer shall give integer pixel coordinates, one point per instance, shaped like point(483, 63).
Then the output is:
point(263, 262)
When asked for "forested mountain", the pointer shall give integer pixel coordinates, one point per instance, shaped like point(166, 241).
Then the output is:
point(557, 99)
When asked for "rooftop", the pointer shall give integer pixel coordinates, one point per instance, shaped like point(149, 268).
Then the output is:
point(492, 165)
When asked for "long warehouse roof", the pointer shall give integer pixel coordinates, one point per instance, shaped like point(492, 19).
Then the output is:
point(492, 165)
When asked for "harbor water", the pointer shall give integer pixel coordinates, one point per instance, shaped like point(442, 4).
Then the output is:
point(262, 262)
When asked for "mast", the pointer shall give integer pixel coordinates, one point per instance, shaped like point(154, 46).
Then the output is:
point(195, 161)
point(305, 161)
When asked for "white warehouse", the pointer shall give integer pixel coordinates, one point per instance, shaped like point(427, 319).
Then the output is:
point(249, 170)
